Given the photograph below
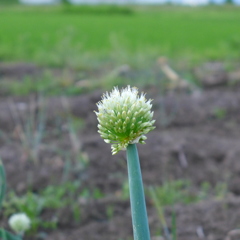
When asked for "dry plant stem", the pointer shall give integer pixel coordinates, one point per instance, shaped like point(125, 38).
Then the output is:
point(137, 198)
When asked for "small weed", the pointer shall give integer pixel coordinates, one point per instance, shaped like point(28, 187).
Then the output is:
point(52, 197)
point(219, 113)
point(110, 211)
point(95, 193)
point(73, 125)
point(181, 191)
point(221, 190)
point(175, 192)
point(204, 191)
point(125, 190)
point(29, 131)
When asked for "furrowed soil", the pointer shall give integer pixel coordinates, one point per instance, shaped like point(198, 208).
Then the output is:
point(197, 138)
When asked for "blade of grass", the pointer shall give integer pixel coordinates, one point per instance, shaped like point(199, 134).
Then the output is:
point(160, 212)
point(174, 225)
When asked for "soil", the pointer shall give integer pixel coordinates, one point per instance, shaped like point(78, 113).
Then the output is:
point(196, 138)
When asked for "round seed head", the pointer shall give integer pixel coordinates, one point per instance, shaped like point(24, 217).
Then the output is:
point(19, 222)
point(124, 117)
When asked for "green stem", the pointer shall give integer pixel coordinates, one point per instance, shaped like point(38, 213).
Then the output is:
point(137, 199)
point(2, 182)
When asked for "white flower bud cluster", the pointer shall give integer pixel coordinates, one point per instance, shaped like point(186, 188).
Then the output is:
point(19, 222)
point(124, 117)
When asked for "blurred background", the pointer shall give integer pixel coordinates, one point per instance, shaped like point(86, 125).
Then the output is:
point(57, 58)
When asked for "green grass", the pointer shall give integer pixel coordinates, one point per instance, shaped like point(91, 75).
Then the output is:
point(48, 84)
point(50, 35)
point(7, 2)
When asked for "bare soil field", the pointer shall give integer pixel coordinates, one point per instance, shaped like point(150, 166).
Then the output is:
point(196, 138)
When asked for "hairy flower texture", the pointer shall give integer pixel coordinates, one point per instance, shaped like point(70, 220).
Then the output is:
point(124, 117)
point(19, 222)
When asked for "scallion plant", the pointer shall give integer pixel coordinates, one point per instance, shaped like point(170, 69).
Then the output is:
point(124, 118)
point(18, 222)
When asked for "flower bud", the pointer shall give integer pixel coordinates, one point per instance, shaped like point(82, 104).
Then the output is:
point(19, 222)
point(124, 118)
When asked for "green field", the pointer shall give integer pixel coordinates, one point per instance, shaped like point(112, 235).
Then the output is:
point(51, 35)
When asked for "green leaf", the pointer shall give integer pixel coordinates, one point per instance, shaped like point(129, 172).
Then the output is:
point(2, 182)
point(5, 235)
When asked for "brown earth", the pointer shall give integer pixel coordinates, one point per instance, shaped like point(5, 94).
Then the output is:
point(196, 138)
